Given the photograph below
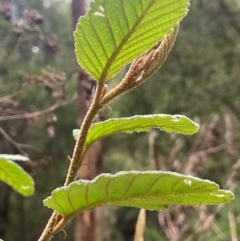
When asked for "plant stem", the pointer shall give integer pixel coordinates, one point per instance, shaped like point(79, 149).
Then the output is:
point(77, 158)
point(80, 147)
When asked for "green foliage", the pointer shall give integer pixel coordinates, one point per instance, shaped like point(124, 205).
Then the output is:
point(149, 190)
point(15, 176)
point(111, 35)
point(176, 123)
point(201, 73)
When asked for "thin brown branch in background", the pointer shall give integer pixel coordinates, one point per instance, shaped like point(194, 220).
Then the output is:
point(38, 113)
point(14, 143)
point(140, 225)
point(7, 97)
point(172, 230)
point(219, 232)
point(232, 225)
point(30, 147)
point(209, 220)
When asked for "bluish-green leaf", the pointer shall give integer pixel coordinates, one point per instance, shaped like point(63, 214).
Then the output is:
point(16, 177)
point(14, 157)
point(113, 33)
point(169, 123)
point(150, 190)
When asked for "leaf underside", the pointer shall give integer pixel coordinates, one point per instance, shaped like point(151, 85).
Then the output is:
point(176, 123)
point(152, 190)
point(16, 177)
point(113, 33)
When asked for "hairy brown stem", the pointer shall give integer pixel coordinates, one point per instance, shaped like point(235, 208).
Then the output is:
point(55, 224)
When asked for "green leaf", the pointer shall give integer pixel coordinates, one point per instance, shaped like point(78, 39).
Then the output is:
point(169, 123)
point(149, 190)
point(14, 157)
point(16, 177)
point(113, 33)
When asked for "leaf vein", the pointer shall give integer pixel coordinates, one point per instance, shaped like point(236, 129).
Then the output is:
point(93, 51)
point(60, 207)
point(87, 56)
point(111, 30)
point(86, 194)
point(99, 39)
point(120, 46)
point(129, 186)
point(175, 185)
point(69, 198)
point(152, 185)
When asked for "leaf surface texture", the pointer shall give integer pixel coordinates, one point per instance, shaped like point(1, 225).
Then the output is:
point(169, 123)
point(153, 190)
point(113, 33)
point(16, 177)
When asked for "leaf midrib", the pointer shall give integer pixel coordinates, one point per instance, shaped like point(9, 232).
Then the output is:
point(139, 198)
point(120, 46)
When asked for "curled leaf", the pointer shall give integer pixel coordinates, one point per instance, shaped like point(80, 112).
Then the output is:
point(169, 123)
point(152, 190)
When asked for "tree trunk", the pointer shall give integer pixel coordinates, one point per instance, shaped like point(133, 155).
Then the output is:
point(4, 210)
point(86, 222)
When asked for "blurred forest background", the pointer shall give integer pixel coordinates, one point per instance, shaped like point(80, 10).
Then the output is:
point(44, 96)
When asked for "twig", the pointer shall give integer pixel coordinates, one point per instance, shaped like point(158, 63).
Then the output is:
point(38, 113)
point(26, 146)
point(211, 150)
point(10, 140)
point(219, 232)
point(208, 221)
point(171, 227)
point(140, 225)
point(232, 225)
point(13, 94)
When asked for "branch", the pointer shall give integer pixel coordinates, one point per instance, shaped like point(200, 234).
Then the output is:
point(7, 97)
point(38, 113)
point(10, 140)
point(208, 221)
point(232, 225)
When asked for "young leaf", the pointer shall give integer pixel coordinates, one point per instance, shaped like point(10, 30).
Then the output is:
point(113, 33)
point(176, 123)
point(150, 190)
point(16, 177)
point(14, 157)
